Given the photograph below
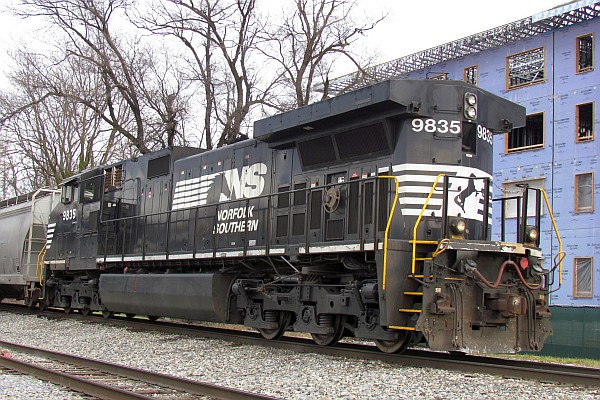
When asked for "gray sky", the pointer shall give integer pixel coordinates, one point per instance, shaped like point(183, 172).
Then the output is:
point(410, 26)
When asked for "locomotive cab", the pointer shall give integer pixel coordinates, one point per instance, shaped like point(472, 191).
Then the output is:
point(73, 244)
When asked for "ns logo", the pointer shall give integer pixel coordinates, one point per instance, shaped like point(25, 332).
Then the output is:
point(249, 182)
point(231, 185)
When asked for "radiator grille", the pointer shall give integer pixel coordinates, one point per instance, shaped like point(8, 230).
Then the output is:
point(363, 141)
point(317, 151)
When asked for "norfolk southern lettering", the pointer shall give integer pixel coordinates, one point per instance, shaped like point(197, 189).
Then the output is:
point(236, 220)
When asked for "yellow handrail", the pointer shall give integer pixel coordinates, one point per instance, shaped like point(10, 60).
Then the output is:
point(414, 241)
point(441, 247)
point(39, 266)
point(560, 246)
point(387, 229)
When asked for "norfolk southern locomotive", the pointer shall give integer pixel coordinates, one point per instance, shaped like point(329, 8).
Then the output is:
point(365, 215)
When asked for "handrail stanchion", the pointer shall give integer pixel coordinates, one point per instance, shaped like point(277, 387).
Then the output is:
point(387, 228)
point(560, 245)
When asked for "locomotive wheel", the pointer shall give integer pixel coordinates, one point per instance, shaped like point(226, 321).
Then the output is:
point(276, 333)
point(85, 311)
point(107, 314)
point(329, 339)
point(42, 305)
point(393, 346)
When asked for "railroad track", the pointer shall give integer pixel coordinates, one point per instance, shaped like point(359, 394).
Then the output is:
point(545, 372)
point(111, 381)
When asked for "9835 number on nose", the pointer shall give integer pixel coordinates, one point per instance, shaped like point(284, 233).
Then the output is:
point(431, 125)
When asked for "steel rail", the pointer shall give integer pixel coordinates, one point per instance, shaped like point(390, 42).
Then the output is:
point(107, 392)
point(541, 371)
point(75, 383)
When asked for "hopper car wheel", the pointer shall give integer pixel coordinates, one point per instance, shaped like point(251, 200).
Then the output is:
point(68, 310)
point(85, 311)
point(329, 339)
point(129, 315)
point(42, 305)
point(107, 314)
point(153, 318)
point(394, 346)
point(276, 333)
point(36, 294)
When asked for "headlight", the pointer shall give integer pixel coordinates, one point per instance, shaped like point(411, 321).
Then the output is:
point(458, 226)
point(471, 113)
point(470, 99)
point(531, 235)
point(470, 105)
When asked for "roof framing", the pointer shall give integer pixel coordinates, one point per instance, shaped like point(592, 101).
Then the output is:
point(559, 17)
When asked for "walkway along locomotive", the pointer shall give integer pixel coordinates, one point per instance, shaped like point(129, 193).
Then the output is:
point(367, 215)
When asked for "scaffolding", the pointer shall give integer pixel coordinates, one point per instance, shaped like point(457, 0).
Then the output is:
point(559, 17)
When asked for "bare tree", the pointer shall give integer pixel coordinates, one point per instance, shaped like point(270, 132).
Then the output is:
point(165, 92)
point(221, 37)
point(122, 64)
point(311, 39)
point(8, 187)
point(52, 137)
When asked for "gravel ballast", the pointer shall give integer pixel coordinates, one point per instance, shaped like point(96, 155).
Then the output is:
point(274, 372)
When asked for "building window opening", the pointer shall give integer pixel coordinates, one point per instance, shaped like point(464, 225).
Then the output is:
point(470, 75)
point(525, 68)
point(529, 137)
point(582, 282)
point(515, 189)
point(585, 53)
point(437, 76)
point(584, 192)
point(585, 122)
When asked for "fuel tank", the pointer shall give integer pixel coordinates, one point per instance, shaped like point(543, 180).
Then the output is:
point(190, 296)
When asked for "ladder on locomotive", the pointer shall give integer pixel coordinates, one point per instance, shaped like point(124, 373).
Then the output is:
point(423, 251)
point(427, 250)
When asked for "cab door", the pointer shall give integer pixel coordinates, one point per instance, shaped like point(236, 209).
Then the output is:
point(62, 243)
point(335, 205)
point(282, 187)
point(90, 189)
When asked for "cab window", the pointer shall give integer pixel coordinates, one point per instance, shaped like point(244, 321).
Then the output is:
point(67, 193)
point(89, 191)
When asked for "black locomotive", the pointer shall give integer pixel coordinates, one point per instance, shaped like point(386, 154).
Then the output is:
point(366, 215)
